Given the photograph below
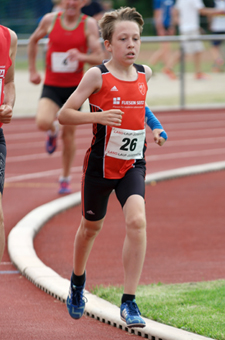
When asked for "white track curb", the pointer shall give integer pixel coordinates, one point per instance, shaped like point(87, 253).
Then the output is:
point(24, 257)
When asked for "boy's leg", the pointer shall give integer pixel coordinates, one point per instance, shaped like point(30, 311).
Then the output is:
point(46, 114)
point(197, 62)
point(84, 241)
point(133, 258)
point(69, 148)
point(46, 121)
point(134, 248)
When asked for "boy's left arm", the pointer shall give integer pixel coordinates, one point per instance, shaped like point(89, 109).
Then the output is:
point(160, 136)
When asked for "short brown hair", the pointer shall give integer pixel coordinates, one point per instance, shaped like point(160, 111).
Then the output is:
point(108, 20)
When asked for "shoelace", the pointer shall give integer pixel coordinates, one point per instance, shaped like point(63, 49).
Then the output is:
point(52, 139)
point(77, 296)
point(64, 184)
point(133, 308)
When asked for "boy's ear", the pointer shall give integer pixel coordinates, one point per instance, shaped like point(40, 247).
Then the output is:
point(107, 46)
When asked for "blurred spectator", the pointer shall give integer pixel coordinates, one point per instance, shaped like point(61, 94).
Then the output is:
point(58, 5)
point(186, 14)
point(96, 9)
point(93, 9)
point(107, 5)
point(164, 26)
point(217, 26)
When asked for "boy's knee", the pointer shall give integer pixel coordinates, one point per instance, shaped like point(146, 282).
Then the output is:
point(68, 135)
point(136, 223)
point(91, 229)
point(42, 124)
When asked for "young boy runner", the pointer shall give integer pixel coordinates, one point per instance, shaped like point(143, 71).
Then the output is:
point(73, 41)
point(117, 92)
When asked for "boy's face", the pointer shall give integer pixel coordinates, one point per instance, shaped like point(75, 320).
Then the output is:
point(125, 44)
point(71, 6)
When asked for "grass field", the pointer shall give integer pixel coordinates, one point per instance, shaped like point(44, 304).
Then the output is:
point(194, 307)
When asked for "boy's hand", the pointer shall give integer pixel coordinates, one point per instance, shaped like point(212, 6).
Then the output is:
point(111, 117)
point(5, 113)
point(35, 78)
point(158, 138)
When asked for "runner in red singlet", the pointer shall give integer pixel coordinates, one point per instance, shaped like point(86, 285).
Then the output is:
point(73, 41)
point(115, 160)
point(8, 47)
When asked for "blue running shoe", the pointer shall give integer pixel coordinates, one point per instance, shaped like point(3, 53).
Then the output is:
point(51, 142)
point(129, 313)
point(76, 301)
point(64, 186)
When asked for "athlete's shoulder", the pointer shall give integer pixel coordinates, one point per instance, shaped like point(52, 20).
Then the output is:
point(140, 68)
point(13, 44)
point(7, 31)
point(95, 70)
point(13, 35)
point(144, 69)
point(91, 24)
point(93, 75)
point(48, 19)
point(102, 68)
point(10, 35)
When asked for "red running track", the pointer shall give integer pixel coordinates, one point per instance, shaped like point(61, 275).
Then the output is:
point(185, 222)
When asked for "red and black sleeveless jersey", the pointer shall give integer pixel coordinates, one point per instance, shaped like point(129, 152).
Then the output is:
point(115, 150)
point(62, 39)
point(5, 60)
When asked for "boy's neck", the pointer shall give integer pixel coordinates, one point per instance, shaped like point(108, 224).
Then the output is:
point(127, 73)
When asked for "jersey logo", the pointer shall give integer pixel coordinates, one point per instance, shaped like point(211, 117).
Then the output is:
point(116, 100)
point(142, 89)
point(2, 73)
point(90, 212)
point(114, 88)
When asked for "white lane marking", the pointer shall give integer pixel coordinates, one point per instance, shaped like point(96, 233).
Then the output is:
point(187, 154)
point(150, 158)
point(197, 141)
point(15, 159)
point(39, 174)
point(194, 125)
point(40, 134)
point(41, 144)
point(24, 135)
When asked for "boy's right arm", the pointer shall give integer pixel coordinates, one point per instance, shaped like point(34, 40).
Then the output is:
point(39, 33)
point(90, 83)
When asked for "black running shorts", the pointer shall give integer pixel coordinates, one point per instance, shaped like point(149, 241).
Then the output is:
point(96, 192)
point(58, 95)
point(2, 160)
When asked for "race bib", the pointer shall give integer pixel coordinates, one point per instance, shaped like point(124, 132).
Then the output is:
point(62, 64)
point(126, 144)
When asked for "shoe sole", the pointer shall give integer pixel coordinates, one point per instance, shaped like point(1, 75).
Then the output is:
point(77, 314)
point(64, 192)
point(50, 151)
point(137, 325)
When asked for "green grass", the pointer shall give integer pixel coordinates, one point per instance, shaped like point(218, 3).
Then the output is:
point(22, 65)
point(194, 307)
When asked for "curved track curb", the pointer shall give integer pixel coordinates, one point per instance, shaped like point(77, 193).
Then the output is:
point(24, 257)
